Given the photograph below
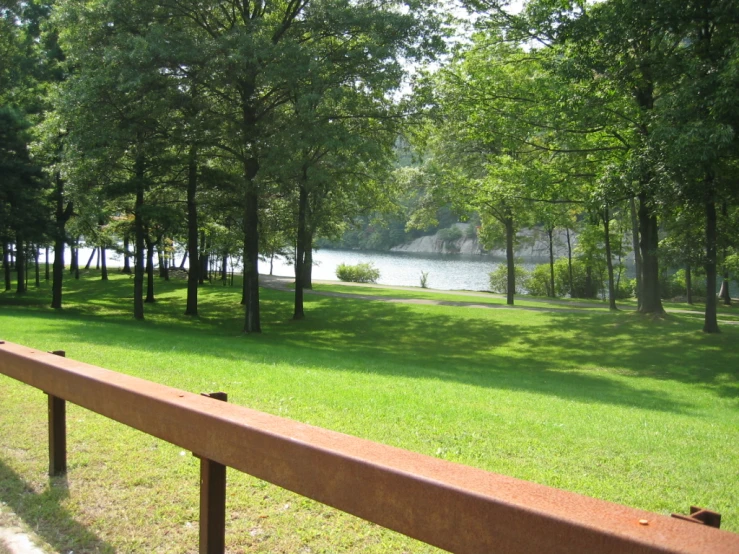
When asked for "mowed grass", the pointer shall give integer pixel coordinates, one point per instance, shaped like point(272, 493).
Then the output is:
point(639, 411)
point(456, 297)
point(725, 313)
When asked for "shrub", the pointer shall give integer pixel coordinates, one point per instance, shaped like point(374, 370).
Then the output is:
point(697, 282)
point(675, 286)
point(360, 273)
point(669, 287)
point(626, 288)
point(452, 234)
point(579, 279)
point(424, 279)
point(499, 278)
point(540, 283)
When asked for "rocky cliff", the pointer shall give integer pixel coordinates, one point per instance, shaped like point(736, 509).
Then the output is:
point(432, 244)
point(532, 243)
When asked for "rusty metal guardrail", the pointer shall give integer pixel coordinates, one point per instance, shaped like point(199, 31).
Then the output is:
point(452, 506)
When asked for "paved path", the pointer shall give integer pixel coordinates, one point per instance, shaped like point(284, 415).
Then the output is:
point(15, 541)
point(548, 304)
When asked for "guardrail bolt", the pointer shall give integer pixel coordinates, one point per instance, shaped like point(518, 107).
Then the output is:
point(213, 500)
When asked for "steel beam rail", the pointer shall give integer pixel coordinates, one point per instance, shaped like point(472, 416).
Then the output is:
point(452, 506)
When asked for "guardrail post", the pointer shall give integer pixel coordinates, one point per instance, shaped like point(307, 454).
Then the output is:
point(57, 431)
point(213, 500)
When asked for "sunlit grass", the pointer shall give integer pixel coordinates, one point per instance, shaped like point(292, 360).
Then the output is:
point(617, 406)
point(727, 313)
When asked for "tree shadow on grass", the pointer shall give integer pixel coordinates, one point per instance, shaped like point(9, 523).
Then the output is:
point(542, 353)
point(44, 514)
point(671, 348)
point(470, 347)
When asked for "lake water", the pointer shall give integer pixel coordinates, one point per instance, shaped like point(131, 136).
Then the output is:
point(445, 271)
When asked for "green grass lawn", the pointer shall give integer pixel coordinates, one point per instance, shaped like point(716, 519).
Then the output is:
point(613, 405)
point(459, 296)
point(726, 313)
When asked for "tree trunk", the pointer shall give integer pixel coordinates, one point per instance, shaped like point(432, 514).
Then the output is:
point(510, 261)
point(92, 257)
point(62, 215)
point(589, 287)
point(689, 284)
point(149, 271)
point(103, 263)
point(710, 324)
point(97, 260)
point(165, 261)
point(161, 258)
point(299, 312)
point(126, 262)
point(20, 264)
point(243, 286)
point(724, 293)
point(193, 276)
point(569, 264)
point(46, 263)
point(637, 254)
point(74, 265)
point(6, 265)
point(650, 301)
point(27, 265)
point(58, 269)
point(224, 267)
point(202, 259)
point(138, 224)
point(550, 233)
point(252, 322)
point(609, 260)
point(308, 263)
point(36, 266)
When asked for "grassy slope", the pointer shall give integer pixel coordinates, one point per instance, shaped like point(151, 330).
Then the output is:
point(725, 313)
point(615, 406)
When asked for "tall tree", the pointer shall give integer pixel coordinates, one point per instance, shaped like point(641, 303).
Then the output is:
point(339, 133)
point(250, 55)
point(621, 53)
point(698, 133)
point(503, 137)
point(117, 107)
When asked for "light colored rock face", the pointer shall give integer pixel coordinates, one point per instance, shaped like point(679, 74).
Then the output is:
point(431, 244)
point(531, 243)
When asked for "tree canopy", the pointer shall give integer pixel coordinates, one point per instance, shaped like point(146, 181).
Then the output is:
point(232, 130)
